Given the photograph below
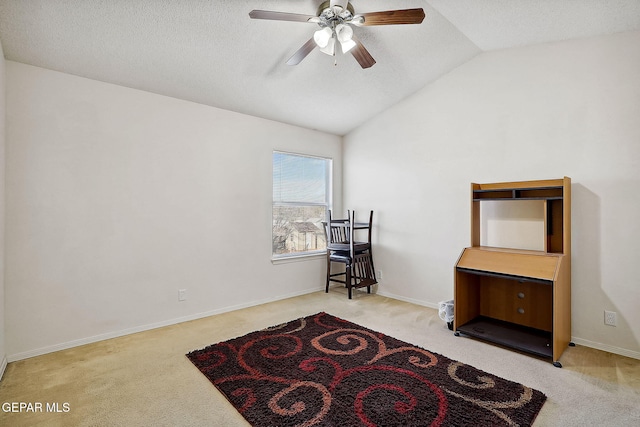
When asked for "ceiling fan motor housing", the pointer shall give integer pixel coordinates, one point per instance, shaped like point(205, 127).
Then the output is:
point(327, 5)
point(331, 16)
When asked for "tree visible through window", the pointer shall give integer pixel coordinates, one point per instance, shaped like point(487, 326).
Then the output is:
point(301, 198)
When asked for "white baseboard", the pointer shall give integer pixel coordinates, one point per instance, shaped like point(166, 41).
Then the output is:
point(115, 334)
point(142, 328)
point(3, 366)
point(405, 299)
point(607, 348)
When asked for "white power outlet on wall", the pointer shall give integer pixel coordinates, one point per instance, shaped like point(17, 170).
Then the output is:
point(610, 318)
point(182, 294)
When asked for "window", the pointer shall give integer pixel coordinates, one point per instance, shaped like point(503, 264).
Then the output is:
point(301, 198)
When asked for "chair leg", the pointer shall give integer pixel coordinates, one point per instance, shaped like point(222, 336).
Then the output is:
point(328, 273)
point(348, 271)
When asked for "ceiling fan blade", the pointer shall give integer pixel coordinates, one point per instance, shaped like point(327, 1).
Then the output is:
point(393, 17)
point(362, 55)
point(302, 52)
point(280, 16)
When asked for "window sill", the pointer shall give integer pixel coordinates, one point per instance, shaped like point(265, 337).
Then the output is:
point(298, 258)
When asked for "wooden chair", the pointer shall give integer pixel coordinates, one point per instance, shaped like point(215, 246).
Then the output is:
point(342, 247)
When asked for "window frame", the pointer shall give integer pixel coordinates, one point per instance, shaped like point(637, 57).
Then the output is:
point(328, 204)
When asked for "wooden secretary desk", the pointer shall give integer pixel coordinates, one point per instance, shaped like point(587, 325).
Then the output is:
point(519, 298)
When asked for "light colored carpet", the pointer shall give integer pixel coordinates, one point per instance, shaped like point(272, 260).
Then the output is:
point(145, 379)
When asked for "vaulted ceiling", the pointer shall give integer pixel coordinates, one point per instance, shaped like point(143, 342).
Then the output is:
point(211, 52)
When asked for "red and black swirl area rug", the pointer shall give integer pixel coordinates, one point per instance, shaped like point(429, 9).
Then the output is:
point(324, 371)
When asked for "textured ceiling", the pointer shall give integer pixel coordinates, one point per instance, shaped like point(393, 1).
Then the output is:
point(211, 52)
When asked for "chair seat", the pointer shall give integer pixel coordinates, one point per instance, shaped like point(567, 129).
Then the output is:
point(346, 246)
point(343, 257)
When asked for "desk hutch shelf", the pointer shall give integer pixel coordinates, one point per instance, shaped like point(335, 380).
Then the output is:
point(519, 298)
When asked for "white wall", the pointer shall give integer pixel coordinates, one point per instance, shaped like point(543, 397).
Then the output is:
point(539, 112)
point(3, 353)
point(117, 198)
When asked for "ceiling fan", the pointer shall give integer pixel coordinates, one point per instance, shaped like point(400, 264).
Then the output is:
point(335, 18)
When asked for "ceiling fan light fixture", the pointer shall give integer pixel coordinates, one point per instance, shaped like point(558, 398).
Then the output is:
point(347, 45)
point(344, 34)
point(330, 48)
point(323, 36)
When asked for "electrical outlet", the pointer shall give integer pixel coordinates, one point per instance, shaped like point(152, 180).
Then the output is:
point(610, 318)
point(182, 294)
point(379, 275)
